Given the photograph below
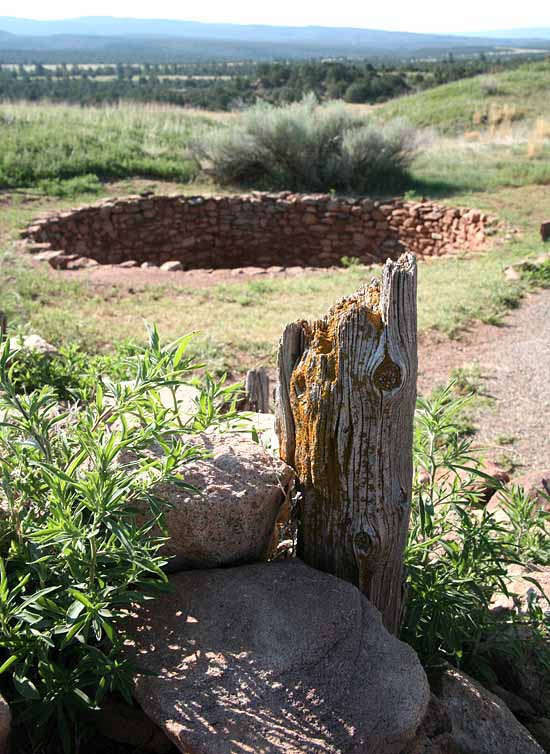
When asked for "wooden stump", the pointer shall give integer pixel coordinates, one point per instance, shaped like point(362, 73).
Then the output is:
point(345, 407)
point(256, 390)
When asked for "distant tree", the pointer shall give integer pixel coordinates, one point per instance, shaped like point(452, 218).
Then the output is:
point(358, 92)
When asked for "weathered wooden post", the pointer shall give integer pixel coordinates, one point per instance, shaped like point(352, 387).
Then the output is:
point(345, 406)
point(256, 389)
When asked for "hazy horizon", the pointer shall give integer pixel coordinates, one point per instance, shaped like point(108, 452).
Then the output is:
point(429, 18)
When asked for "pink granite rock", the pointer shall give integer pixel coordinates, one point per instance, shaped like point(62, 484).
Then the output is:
point(481, 721)
point(232, 517)
point(274, 658)
point(5, 726)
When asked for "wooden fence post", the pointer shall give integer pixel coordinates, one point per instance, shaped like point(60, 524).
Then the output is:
point(345, 408)
point(256, 389)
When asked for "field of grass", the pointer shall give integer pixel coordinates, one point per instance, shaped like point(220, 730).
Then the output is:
point(506, 172)
point(240, 323)
point(482, 133)
point(447, 167)
point(41, 143)
point(475, 103)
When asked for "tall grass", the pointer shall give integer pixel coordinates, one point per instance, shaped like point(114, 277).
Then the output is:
point(447, 166)
point(305, 146)
point(454, 108)
point(45, 142)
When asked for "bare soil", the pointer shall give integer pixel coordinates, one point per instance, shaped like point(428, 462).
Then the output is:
point(514, 362)
point(136, 278)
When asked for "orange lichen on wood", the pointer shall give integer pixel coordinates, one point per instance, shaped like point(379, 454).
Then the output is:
point(317, 372)
point(345, 405)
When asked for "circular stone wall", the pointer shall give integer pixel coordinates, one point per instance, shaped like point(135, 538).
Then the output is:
point(259, 229)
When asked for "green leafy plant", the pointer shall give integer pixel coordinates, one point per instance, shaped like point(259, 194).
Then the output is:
point(82, 528)
point(458, 552)
point(527, 524)
point(70, 372)
point(455, 566)
point(347, 262)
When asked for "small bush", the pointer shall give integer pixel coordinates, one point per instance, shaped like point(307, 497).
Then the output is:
point(82, 184)
point(70, 373)
point(78, 545)
point(489, 86)
point(305, 146)
point(458, 554)
point(537, 274)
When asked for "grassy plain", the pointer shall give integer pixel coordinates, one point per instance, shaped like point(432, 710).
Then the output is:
point(41, 144)
point(240, 322)
point(505, 171)
point(469, 104)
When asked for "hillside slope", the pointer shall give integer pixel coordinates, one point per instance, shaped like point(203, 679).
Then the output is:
point(518, 95)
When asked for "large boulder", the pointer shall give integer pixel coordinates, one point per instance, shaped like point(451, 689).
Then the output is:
point(232, 516)
point(5, 726)
point(481, 722)
point(274, 658)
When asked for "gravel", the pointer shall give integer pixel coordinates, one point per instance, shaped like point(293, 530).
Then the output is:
point(515, 361)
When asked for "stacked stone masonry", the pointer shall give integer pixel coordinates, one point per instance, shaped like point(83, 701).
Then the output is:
point(259, 229)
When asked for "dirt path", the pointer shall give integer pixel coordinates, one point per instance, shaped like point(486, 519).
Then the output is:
point(134, 278)
point(514, 361)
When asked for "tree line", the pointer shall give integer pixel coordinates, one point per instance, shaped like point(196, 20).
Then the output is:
point(226, 86)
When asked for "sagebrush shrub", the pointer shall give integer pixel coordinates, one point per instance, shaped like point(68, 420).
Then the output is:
point(489, 86)
point(306, 146)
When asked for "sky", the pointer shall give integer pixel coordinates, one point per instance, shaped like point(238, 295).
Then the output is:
point(400, 15)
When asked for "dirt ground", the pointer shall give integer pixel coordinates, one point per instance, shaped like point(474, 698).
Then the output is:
point(512, 360)
point(135, 278)
point(513, 364)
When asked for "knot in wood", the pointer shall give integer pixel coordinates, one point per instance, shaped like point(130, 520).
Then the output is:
point(387, 375)
point(362, 542)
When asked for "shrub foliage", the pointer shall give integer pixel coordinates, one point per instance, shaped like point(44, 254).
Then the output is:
point(305, 146)
point(459, 553)
point(79, 530)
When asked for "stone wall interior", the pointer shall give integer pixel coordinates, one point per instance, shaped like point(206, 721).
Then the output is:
point(259, 229)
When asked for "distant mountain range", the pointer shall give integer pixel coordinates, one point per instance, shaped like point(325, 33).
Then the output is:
point(538, 32)
point(108, 39)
